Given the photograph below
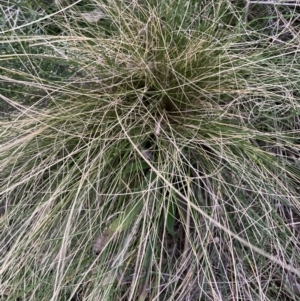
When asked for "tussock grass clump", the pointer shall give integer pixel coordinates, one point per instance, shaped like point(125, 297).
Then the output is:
point(149, 151)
